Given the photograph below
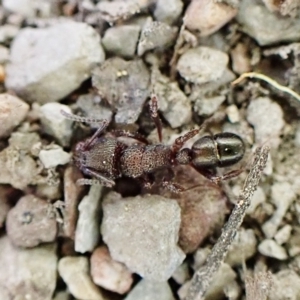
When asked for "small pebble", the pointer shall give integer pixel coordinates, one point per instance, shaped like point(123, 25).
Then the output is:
point(265, 27)
point(55, 71)
point(242, 248)
point(87, 229)
point(150, 290)
point(182, 273)
point(270, 248)
point(55, 124)
point(122, 40)
point(202, 64)
point(233, 113)
point(172, 102)
point(282, 195)
point(29, 224)
point(110, 274)
point(156, 35)
point(124, 84)
point(12, 112)
point(75, 273)
point(240, 59)
point(53, 157)
point(283, 235)
point(30, 272)
point(285, 285)
point(267, 126)
point(207, 106)
point(168, 11)
point(208, 16)
point(72, 196)
point(142, 232)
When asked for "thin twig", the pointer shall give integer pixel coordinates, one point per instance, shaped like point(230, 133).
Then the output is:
point(203, 277)
point(267, 79)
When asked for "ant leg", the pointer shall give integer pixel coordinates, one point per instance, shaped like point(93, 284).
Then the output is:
point(154, 115)
point(146, 181)
point(213, 177)
point(102, 127)
point(180, 141)
point(100, 178)
point(137, 136)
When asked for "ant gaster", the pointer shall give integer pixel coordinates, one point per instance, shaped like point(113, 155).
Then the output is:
point(107, 158)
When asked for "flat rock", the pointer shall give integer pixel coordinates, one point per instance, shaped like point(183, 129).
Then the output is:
point(124, 84)
point(55, 124)
point(172, 102)
point(87, 229)
point(108, 273)
point(202, 64)
point(270, 248)
point(30, 272)
point(285, 285)
point(149, 290)
point(12, 112)
point(53, 157)
point(242, 248)
point(28, 224)
point(208, 16)
point(142, 233)
point(18, 168)
point(155, 35)
point(122, 40)
point(47, 64)
point(75, 273)
point(266, 27)
point(168, 11)
point(267, 126)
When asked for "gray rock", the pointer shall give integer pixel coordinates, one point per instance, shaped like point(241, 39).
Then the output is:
point(267, 126)
point(28, 8)
point(149, 290)
point(285, 285)
point(12, 112)
point(283, 235)
point(51, 158)
point(172, 102)
point(155, 35)
point(142, 232)
point(4, 54)
point(30, 272)
point(8, 32)
point(17, 168)
point(168, 11)
point(121, 40)
point(266, 27)
point(207, 106)
point(124, 84)
point(55, 124)
point(49, 63)
point(87, 229)
point(242, 248)
point(75, 273)
point(208, 16)
point(92, 107)
point(108, 273)
point(202, 64)
point(270, 248)
point(282, 196)
point(28, 224)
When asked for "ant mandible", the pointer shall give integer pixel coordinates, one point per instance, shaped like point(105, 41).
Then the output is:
point(107, 158)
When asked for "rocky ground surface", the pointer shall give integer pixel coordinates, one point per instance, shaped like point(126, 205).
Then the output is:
point(103, 60)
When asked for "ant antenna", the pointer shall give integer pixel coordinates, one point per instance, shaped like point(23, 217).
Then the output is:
point(80, 119)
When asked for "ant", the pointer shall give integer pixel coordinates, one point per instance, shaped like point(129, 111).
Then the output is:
point(106, 158)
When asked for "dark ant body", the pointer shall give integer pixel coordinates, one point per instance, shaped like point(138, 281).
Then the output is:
point(107, 158)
